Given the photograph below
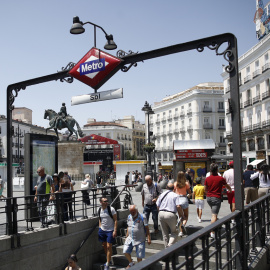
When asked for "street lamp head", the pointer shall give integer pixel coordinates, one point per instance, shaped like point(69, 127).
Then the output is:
point(110, 45)
point(77, 26)
point(146, 106)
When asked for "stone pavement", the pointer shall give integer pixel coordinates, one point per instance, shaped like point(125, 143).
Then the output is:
point(192, 219)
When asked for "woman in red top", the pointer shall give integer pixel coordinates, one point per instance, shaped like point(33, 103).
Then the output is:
point(213, 185)
point(182, 187)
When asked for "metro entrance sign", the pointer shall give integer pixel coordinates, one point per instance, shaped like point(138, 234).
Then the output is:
point(95, 68)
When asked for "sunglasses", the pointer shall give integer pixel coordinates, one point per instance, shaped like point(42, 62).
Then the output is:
point(105, 201)
point(38, 171)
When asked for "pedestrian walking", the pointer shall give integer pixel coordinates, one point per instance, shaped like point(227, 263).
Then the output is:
point(127, 180)
point(44, 194)
point(107, 228)
point(150, 193)
point(229, 177)
point(251, 187)
point(182, 188)
point(1, 188)
point(99, 180)
point(213, 185)
point(135, 237)
point(264, 180)
point(168, 204)
point(198, 195)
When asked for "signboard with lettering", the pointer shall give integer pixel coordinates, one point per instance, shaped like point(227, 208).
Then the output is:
point(95, 68)
point(191, 155)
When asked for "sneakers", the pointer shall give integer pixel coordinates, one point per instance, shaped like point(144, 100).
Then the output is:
point(199, 220)
point(180, 234)
point(106, 267)
point(184, 231)
point(130, 265)
point(233, 221)
point(212, 235)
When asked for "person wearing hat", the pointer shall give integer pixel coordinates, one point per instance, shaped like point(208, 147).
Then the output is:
point(229, 177)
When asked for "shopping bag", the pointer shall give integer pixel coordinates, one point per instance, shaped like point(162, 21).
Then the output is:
point(51, 212)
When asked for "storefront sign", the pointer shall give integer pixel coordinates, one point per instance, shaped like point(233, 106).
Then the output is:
point(190, 155)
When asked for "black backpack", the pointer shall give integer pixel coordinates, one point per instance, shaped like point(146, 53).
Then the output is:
point(109, 211)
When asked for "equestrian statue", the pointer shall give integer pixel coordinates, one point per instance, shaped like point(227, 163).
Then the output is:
point(62, 120)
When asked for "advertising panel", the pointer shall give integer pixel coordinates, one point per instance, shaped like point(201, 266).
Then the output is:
point(198, 169)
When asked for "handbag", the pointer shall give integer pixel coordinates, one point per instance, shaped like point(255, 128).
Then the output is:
point(85, 186)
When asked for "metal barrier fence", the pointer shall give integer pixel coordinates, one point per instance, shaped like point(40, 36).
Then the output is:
point(227, 248)
point(20, 214)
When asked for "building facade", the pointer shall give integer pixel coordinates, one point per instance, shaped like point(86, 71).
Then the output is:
point(254, 87)
point(126, 131)
point(194, 114)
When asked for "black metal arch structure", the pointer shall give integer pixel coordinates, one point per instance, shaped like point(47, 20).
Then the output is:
point(130, 59)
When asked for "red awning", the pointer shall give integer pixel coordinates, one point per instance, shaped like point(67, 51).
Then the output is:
point(94, 139)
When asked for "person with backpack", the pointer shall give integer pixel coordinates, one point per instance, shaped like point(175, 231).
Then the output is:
point(107, 228)
point(44, 194)
point(169, 204)
point(150, 193)
point(135, 236)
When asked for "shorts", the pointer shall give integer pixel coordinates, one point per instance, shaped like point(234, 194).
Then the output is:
point(183, 202)
point(105, 236)
point(231, 197)
point(199, 203)
point(140, 249)
point(214, 204)
point(99, 185)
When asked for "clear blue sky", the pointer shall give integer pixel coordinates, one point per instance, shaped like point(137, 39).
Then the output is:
point(35, 41)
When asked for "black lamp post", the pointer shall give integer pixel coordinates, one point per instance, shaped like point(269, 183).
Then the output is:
point(18, 134)
point(154, 156)
point(77, 28)
point(148, 110)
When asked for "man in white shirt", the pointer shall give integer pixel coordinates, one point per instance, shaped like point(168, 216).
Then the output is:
point(107, 228)
point(169, 205)
point(229, 177)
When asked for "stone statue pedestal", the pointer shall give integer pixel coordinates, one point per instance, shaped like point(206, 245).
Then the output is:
point(70, 158)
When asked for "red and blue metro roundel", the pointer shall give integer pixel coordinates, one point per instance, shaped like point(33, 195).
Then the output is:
point(95, 68)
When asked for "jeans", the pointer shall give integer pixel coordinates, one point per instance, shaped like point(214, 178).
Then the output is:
point(151, 209)
point(42, 204)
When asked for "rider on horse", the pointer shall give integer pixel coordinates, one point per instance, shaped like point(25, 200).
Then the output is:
point(61, 115)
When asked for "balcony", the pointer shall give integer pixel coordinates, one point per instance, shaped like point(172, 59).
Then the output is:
point(163, 119)
point(248, 103)
point(247, 128)
point(221, 110)
point(257, 126)
point(207, 109)
point(170, 132)
point(207, 126)
point(228, 133)
point(158, 121)
point(189, 128)
point(189, 112)
point(247, 78)
point(266, 123)
point(182, 129)
point(169, 118)
point(265, 67)
point(227, 89)
point(221, 127)
point(257, 73)
point(176, 131)
point(222, 144)
point(256, 99)
point(176, 115)
point(182, 113)
point(266, 94)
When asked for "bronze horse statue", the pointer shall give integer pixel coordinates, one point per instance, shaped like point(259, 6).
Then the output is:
point(57, 122)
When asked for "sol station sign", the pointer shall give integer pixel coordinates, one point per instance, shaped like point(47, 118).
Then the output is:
point(95, 68)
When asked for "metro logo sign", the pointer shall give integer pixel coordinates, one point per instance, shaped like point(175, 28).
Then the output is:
point(95, 68)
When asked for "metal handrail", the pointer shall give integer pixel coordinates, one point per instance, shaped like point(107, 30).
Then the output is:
point(95, 226)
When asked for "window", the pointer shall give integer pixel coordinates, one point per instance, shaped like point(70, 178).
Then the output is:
point(207, 136)
point(158, 117)
point(170, 127)
point(221, 105)
point(182, 108)
point(221, 139)
point(258, 116)
point(257, 90)
point(257, 64)
point(183, 123)
point(176, 125)
point(248, 94)
point(221, 122)
point(165, 156)
point(266, 58)
point(250, 119)
point(189, 105)
point(206, 104)
point(247, 71)
point(164, 140)
point(222, 152)
point(176, 110)
point(206, 120)
point(267, 84)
